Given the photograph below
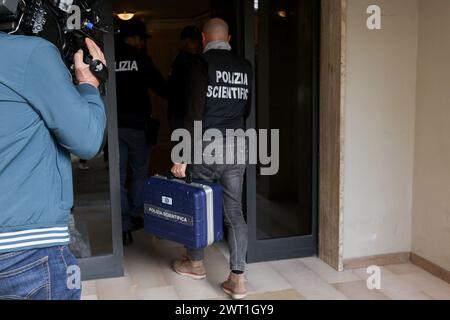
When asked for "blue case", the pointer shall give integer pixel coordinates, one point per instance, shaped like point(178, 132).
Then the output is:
point(190, 214)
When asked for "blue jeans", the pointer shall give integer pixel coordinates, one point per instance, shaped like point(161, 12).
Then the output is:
point(135, 150)
point(40, 274)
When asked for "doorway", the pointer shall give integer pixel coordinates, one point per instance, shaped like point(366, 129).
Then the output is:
point(281, 40)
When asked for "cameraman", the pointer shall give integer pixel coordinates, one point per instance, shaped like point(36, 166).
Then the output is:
point(43, 118)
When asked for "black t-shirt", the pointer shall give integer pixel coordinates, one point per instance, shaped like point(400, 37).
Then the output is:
point(135, 74)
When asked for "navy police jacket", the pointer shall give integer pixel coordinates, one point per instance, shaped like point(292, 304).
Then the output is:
point(219, 91)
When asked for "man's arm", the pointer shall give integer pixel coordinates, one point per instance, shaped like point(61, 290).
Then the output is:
point(155, 79)
point(75, 116)
point(196, 90)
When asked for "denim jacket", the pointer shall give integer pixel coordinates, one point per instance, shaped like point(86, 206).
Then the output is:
point(43, 118)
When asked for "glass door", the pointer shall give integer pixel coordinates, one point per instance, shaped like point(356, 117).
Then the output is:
point(281, 40)
point(232, 12)
point(95, 223)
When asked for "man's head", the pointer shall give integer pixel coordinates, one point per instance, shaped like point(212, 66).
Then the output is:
point(136, 41)
point(134, 33)
point(216, 30)
point(191, 39)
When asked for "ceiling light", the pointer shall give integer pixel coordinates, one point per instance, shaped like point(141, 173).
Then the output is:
point(282, 13)
point(125, 16)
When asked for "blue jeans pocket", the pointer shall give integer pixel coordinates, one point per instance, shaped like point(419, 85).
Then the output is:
point(28, 282)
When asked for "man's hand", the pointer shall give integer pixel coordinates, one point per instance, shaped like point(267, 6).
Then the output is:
point(82, 71)
point(179, 170)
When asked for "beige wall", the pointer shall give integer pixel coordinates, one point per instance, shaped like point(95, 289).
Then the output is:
point(431, 205)
point(379, 128)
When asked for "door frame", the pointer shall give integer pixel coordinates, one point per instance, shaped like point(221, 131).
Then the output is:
point(331, 101)
point(109, 266)
point(290, 247)
point(330, 150)
point(332, 138)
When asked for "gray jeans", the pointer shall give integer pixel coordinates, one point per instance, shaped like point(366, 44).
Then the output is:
point(231, 178)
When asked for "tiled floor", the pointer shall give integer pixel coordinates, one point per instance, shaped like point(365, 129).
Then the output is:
point(148, 276)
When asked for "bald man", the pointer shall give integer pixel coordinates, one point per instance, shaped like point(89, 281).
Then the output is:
point(218, 95)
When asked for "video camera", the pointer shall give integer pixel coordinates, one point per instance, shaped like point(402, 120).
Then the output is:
point(65, 23)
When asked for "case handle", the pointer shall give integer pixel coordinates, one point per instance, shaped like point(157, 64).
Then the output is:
point(188, 178)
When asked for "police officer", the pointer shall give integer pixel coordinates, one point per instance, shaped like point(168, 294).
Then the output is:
point(135, 74)
point(191, 45)
point(219, 86)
